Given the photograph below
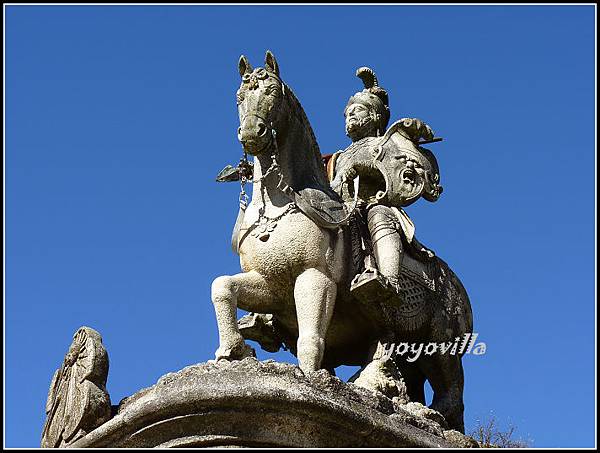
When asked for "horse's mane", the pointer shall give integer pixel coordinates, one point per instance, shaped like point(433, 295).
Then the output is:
point(316, 163)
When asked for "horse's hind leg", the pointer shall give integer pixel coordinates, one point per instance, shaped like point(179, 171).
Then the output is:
point(445, 374)
point(414, 380)
point(314, 296)
point(248, 290)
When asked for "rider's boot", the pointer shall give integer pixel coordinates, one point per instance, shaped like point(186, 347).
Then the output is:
point(383, 282)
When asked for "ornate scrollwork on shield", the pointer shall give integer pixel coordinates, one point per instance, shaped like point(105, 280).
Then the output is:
point(394, 169)
point(78, 401)
point(410, 170)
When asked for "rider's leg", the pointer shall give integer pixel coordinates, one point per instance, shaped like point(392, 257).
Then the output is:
point(386, 241)
point(247, 290)
point(314, 296)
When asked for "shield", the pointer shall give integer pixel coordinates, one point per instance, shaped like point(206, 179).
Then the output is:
point(394, 169)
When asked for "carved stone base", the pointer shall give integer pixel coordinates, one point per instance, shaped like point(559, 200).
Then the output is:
point(264, 404)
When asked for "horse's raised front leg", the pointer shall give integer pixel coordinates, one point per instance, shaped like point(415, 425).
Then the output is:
point(314, 296)
point(247, 290)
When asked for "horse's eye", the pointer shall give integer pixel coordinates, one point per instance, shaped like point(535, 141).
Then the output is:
point(246, 78)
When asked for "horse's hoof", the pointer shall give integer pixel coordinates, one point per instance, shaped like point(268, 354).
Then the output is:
point(382, 376)
point(237, 352)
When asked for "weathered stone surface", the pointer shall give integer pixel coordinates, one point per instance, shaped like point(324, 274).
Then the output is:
point(77, 400)
point(262, 404)
point(460, 440)
point(421, 411)
point(383, 376)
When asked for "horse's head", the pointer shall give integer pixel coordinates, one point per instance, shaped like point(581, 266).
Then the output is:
point(260, 101)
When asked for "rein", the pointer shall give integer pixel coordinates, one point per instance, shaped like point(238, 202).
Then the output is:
point(296, 198)
point(300, 201)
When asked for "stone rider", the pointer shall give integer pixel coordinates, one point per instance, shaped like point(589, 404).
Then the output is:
point(366, 116)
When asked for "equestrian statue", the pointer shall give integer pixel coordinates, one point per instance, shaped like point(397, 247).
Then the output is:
point(331, 267)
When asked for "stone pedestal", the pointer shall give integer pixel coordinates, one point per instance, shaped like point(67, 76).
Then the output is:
point(266, 404)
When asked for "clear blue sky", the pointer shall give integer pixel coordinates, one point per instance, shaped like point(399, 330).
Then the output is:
point(119, 118)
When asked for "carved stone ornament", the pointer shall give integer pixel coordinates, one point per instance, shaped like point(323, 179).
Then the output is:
point(394, 169)
point(78, 401)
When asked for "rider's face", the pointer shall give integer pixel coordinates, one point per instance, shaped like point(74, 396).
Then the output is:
point(356, 113)
point(358, 120)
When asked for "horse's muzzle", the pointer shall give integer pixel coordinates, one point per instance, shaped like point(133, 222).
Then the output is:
point(254, 135)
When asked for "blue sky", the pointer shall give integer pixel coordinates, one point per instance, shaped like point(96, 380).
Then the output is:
point(119, 118)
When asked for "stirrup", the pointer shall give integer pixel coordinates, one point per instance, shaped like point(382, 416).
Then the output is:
point(371, 286)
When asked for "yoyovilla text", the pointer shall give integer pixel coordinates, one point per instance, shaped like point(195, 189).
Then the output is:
point(413, 351)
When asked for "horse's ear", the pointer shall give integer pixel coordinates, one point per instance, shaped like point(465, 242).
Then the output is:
point(244, 65)
point(271, 63)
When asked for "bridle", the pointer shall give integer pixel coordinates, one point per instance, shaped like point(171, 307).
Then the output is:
point(297, 201)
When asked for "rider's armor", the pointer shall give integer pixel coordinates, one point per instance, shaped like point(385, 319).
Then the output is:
point(394, 171)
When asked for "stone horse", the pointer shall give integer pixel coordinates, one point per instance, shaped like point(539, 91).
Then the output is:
point(295, 251)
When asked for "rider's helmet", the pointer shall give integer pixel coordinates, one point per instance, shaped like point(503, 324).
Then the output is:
point(373, 97)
